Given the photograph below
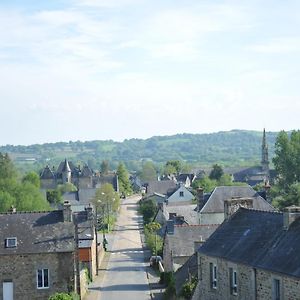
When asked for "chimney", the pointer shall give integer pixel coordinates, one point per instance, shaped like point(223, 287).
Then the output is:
point(89, 213)
point(67, 211)
point(198, 244)
point(290, 214)
point(233, 204)
point(170, 226)
point(200, 198)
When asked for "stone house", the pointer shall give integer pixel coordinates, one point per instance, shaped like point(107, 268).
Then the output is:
point(181, 241)
point(252, 255)
point(186, 179)
point(82, 178)
point(36, 254)
point(211, 209)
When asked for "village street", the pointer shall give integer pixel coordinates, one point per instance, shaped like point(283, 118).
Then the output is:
point(122, 274)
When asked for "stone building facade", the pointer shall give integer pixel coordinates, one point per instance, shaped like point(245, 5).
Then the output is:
point(21, 270)
point(252, 255)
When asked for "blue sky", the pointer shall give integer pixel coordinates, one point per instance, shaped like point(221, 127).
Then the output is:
point(116, 69)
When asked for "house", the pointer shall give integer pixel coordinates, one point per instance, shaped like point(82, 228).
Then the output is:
point(181, 241)
point(88, 246)
point(252, 255)
point(181, 214)
point(180, 195)
point(163, 187)
point(82, 178)
point(186, 179)
point(211, 210)
point(36, 254)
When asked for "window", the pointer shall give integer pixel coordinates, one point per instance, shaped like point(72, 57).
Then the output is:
point(213, 276)
point(181, 194)
point(42, 278)
point(233, 281)
point(276, 289)
point(11, 242)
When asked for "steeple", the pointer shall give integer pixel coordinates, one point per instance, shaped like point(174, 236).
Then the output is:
point(264, 153)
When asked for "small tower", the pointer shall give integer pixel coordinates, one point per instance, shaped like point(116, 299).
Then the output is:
point(265, 154)
point(66, 172)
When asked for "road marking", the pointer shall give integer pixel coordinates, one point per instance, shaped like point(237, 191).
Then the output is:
point(126, 252)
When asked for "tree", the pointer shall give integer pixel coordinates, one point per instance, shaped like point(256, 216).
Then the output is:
point(216, 172)
point(147, 209)
point(287, 158)
point(7, 169)
point(33, 178)
point(172, 167)
point(206, 183)
point(148, 172)
point(107, 197)
point(123, 177)
point(104, 167)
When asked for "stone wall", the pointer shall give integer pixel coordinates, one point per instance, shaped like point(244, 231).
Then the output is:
point(21, 269)
point(251, 283)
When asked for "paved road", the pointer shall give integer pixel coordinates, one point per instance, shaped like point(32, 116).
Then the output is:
point(125, 276)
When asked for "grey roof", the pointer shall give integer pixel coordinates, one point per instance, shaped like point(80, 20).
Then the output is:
point(36, 232)
point(85, 227)
point(81, 197)
point(187, 211)
point(47, 173)
point(163, 187)
point(66, 167)
point(108, 178)
point(215, 203)
point(257, 239)
point(86, 171)
point(182, 177)
point(182, 241)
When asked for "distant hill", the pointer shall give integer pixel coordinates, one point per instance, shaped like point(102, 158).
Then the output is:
point(229, 148)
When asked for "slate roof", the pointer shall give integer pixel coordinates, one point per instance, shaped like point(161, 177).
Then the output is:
point(36, 232)
point(85, 229)
point(163, 187)
point(86, 171)
point(81, 197)
point(182, 241)
point(188, 211)
point(47, 173)
point(109, 178)
point(215, 203)
point(257, 239)
point(183, 177)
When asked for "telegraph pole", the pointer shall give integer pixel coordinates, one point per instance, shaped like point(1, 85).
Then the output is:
point(77, 260)
point(96, 236)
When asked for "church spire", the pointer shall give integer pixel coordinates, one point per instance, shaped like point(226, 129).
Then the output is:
point(264, 153)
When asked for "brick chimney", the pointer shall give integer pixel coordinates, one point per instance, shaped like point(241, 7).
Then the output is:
point(200, 198)
point(290, 214)
point(67, 211)
point(233, 204)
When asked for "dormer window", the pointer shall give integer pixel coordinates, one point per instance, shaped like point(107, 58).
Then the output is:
point(11, 242)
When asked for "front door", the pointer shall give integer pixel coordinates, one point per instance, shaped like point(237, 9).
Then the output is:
point(8, 290)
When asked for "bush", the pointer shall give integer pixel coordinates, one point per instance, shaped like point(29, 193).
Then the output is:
point(148, 210)
point(188, 288)
point(64, 296)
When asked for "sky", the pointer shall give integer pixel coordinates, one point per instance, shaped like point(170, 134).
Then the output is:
point(119, 69)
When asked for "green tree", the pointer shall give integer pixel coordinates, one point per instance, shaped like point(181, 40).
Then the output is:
point(206, 183)
point(104, 167)
point(287, 157)
point(172, 167)
point(33, 178)
point(66, 187)
point(106, 196)
point(148, 210)
point(123, 177)
point(216, 172)
point(148, 172)
point(7, 169)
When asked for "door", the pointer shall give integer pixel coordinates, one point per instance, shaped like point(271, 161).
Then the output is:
point(8, 290)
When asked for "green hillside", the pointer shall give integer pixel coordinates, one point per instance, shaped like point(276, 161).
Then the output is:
point(231, 149)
